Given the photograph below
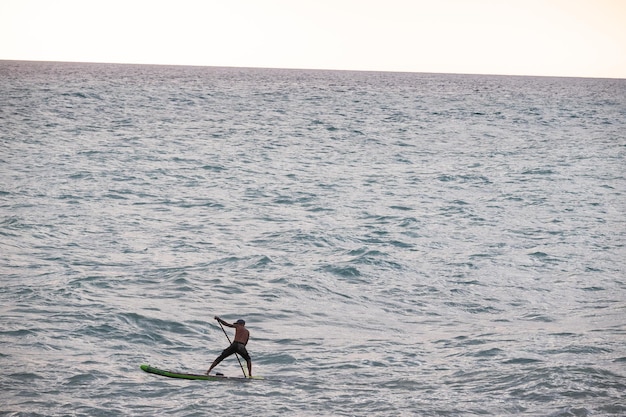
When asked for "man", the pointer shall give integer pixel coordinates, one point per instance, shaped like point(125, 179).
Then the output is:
point(238, 346)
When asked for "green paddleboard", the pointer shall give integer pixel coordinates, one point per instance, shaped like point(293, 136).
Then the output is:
point(201, 377)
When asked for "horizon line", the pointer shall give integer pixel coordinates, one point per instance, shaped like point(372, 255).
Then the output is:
point(309, 69)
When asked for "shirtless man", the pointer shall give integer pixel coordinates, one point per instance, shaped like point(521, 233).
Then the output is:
point(238, 346)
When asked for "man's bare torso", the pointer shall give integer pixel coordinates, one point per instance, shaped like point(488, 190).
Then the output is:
point(241, 334)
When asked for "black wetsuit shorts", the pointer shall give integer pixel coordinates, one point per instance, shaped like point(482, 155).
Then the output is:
point(235, 347)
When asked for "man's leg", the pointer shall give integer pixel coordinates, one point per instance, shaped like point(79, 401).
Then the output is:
point(241, 349)
point(226, 353)
point(214, 364)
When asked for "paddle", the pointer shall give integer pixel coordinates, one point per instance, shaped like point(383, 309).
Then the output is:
point(238, 360)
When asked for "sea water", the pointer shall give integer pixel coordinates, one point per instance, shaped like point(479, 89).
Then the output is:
point(399, 244)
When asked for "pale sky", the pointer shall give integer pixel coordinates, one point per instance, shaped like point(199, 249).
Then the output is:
point(583, 38)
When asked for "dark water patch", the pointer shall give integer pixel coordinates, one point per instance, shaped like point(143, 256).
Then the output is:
point(401, 244)
point(82, 175)
point(409, 222)
point(201, 203)
point(214, 168)
point(579, 350)
point(149, 325)
point(464, 341)
point(342, 271)
point(227, 260)
point(319, 209)
point(537, 317)
point(539, 171)
point(401, 208)
point(593, 289)
point(471, 282)
point(86, 379)
point(25, 377)
point(522, 361)
point(261, 262)
point(545, 258)
point(488, 353)
point(481, 255)
point(472, 308)
point(21, 333)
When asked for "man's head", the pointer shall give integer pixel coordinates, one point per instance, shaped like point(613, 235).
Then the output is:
point(241, 322)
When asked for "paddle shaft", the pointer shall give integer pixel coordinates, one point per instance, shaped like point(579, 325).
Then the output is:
point(238, 360)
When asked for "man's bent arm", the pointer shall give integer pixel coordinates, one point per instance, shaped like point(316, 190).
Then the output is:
point(223, 322)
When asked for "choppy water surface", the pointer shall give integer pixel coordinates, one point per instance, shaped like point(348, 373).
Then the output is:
point(399, 244)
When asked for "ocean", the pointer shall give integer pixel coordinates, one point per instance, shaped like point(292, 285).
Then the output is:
point(399, 244)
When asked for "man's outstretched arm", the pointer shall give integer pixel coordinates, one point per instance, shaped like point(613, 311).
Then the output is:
point(223, 322)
